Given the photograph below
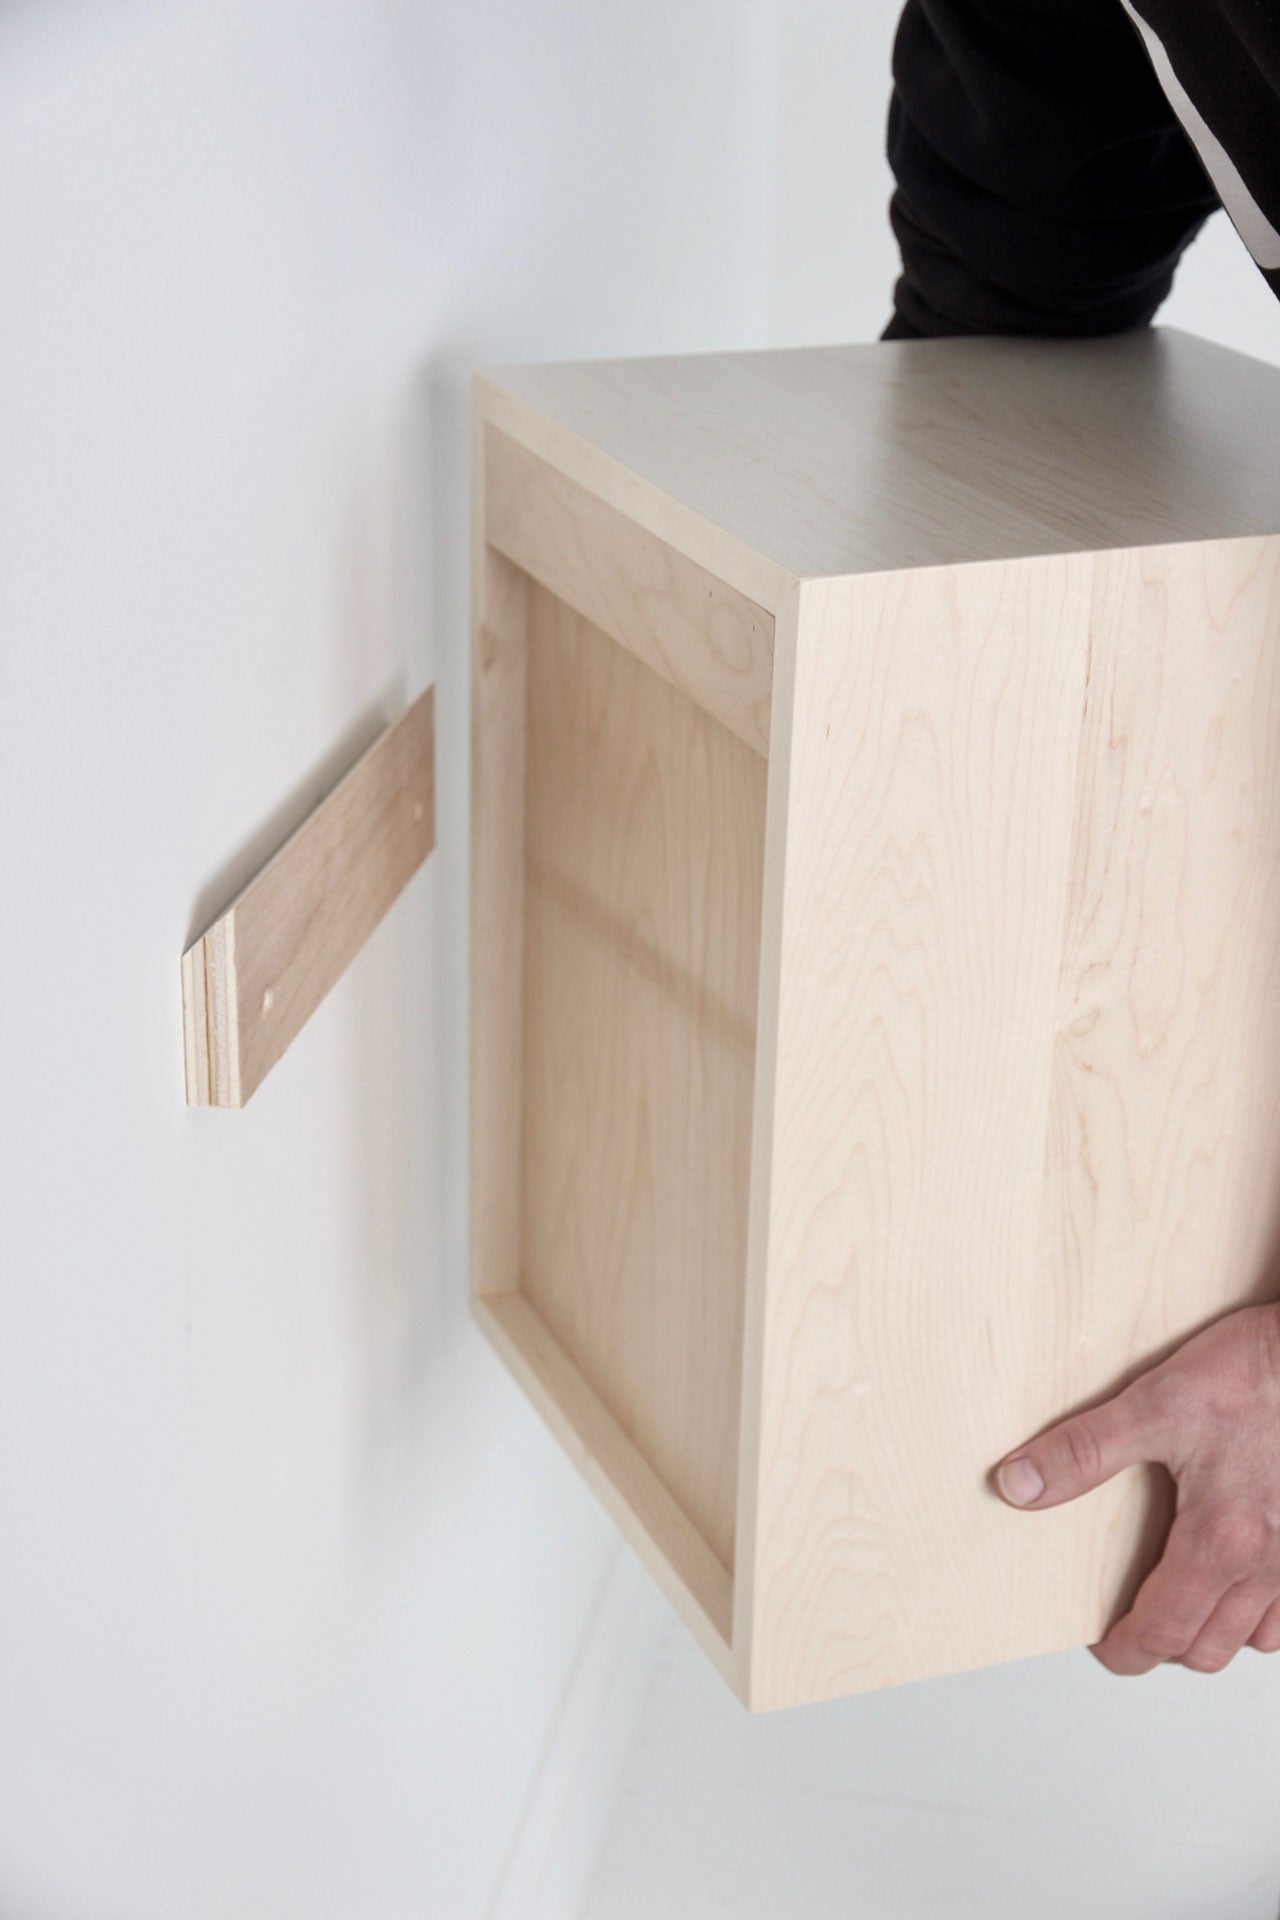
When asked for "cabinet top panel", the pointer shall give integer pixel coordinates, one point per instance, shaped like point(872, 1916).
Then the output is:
point(824, 461)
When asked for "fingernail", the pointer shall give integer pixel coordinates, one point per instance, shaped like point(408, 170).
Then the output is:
point(1019, 1481)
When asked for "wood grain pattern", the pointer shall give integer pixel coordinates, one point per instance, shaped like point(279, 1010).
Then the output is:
point(649, 1513)
point(859, 1110)
point(1025, 1128)
point(712, 642)
point(258, 973)
point(769, 468)
point(502, 400)
point(644, 852)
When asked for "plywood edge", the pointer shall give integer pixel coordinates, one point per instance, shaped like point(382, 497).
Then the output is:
point(722, 553)
point(289, 934)
point(1032, 563)
point(498, 681)
point(195, 1029)
point(696, 1582)
point(777, 811)
point(211, 1018)
point(703, 635)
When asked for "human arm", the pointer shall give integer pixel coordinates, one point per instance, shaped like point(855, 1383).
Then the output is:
point(1043, 183)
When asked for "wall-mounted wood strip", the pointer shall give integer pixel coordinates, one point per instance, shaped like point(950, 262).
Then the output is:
point(699, 633)
point(254, 978)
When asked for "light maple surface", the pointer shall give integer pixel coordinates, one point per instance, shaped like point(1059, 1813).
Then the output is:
point(777, 466)
point(878, 1102)
point(259, 971)
point(644, 855)
point(712, 642)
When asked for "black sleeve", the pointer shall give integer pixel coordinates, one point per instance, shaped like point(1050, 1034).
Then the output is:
point(1044, 185)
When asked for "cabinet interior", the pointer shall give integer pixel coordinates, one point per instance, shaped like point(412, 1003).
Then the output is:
point(643, 852)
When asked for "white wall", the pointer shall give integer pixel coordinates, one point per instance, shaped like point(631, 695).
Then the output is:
point(833, 258)
point(1042, 1791)
point(300, 1613)
point(291, 1583)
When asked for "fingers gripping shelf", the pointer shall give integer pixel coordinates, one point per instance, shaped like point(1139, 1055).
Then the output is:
point(875, 927)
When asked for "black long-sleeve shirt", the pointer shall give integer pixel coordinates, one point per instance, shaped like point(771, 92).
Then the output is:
point(1053, 158)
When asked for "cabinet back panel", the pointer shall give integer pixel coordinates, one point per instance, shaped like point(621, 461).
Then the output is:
point(644, 842)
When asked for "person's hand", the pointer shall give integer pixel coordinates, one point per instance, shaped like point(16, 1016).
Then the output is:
point(1211, 1415)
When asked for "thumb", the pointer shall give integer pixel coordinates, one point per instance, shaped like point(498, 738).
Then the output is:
point(1076, 1455)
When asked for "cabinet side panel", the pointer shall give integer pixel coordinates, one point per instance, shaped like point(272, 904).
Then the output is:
point(1162, 1169)
point(1028, 1133)
point(937, 717)
point(645, 831)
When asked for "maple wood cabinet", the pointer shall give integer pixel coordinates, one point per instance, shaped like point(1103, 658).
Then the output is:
point(876, 955)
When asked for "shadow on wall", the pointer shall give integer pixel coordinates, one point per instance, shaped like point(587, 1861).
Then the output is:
point(402, 597)
point(408, 1035)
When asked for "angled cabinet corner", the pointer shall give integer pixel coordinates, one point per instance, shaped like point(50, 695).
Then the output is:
point(875, 919)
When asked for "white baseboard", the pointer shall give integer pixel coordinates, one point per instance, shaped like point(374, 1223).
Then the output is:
point(548, 1870)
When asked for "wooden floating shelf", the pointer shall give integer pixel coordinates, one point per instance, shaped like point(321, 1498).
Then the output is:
point(876, 927)
point(257, 974)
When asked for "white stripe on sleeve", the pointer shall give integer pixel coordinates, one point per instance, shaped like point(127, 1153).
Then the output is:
point(1250, 222)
